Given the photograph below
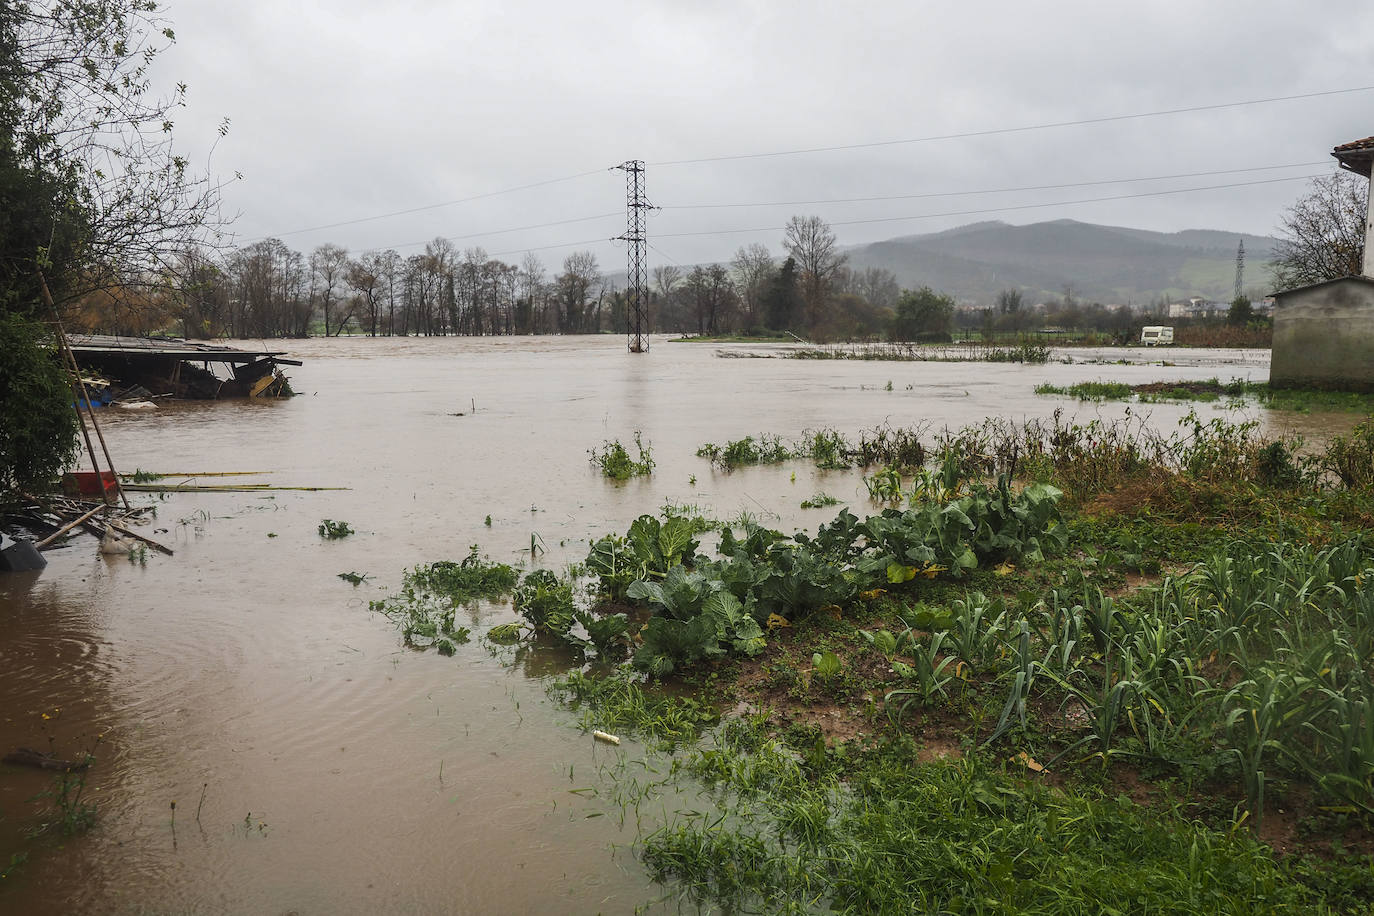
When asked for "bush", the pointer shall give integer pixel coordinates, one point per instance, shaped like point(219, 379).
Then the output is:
point(38, 426)
point(1351, 459)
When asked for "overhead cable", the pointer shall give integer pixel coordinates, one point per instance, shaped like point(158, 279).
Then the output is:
point(1012, 130)
point(447, 203)
point(480, 235)
point(1056, 203)
point(1041, 187)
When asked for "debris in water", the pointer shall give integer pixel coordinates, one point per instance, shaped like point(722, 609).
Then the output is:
point(19, 556)
point(28, 757)
point(112, 545)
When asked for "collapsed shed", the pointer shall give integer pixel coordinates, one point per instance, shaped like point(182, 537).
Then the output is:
point(171, 367)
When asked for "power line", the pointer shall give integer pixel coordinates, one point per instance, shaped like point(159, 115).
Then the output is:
point(1013, 130)
point(1059, 203)
point(664, 254)
point(836, 148)
point(480, 235)
point(447, 203)
point(1042, 187)
point(857, 222)
point(497, 254)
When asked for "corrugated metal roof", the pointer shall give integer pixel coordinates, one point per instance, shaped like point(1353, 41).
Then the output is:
point(173, 347)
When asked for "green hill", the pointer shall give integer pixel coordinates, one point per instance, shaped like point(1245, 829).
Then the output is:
point(1099, 263)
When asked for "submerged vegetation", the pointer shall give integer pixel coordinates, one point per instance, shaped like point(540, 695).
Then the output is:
point(1063, 668)
point(615, 461)
point(895, 351)
point(765, 449)
point(427, 603)
point(827, 448)
point(1214, 389)
point(331, 530)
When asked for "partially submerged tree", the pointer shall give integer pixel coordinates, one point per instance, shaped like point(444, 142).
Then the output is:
point(1322, 235)
point(711, 296)
point(923, 314)
point(816, 251)
point(751, 269)
point(575, 288)
point(328, 269)
point(782, 300)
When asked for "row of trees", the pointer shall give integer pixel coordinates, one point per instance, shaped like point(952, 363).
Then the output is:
point(267, 289)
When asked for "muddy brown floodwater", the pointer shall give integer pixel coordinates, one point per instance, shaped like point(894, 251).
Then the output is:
point(339, 771)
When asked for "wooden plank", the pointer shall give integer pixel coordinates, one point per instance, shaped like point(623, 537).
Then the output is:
point(67, 527)
point(134, 534)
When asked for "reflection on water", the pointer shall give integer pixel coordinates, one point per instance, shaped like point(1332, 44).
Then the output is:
point(339, 771)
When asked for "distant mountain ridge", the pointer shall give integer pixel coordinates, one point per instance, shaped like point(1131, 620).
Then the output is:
point(1108, 264)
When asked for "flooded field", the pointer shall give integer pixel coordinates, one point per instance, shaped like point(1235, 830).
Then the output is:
point(268, 744)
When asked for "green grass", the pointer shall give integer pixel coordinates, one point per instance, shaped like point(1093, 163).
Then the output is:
point(620, 704)
point(880, 832)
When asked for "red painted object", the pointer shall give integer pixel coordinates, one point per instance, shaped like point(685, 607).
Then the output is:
point(88, 483)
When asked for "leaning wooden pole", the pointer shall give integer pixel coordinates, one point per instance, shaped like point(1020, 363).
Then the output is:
point(83, 397)
point(68, 527)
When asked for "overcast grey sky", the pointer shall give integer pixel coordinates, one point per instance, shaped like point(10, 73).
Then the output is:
point(347, 110)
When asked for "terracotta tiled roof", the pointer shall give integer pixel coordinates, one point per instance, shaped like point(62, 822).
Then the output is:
point(1355, 146)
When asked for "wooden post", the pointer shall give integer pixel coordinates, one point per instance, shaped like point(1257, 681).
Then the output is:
point(83, 396)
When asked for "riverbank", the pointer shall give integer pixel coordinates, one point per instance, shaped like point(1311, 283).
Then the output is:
point(1171, 707)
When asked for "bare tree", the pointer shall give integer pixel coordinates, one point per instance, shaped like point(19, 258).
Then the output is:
point(203, 293)
point(752, 268)
point(469, 284)
point(574, 288)
point(809, 240)
point(712, 296)
point(267, 296)
point(877, 286)
point(82, 119)
point(364, 276)
point(1322, 235)
point(441, 303)
point(533, 296)
point(390, 270)
point(665, 308)
point(328, 265)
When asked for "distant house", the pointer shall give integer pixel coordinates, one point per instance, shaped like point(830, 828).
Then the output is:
point(1324, 333)
point(1197, 307)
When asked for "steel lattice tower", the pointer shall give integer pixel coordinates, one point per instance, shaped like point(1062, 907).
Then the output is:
point(1240, 270)
point(637, 241)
